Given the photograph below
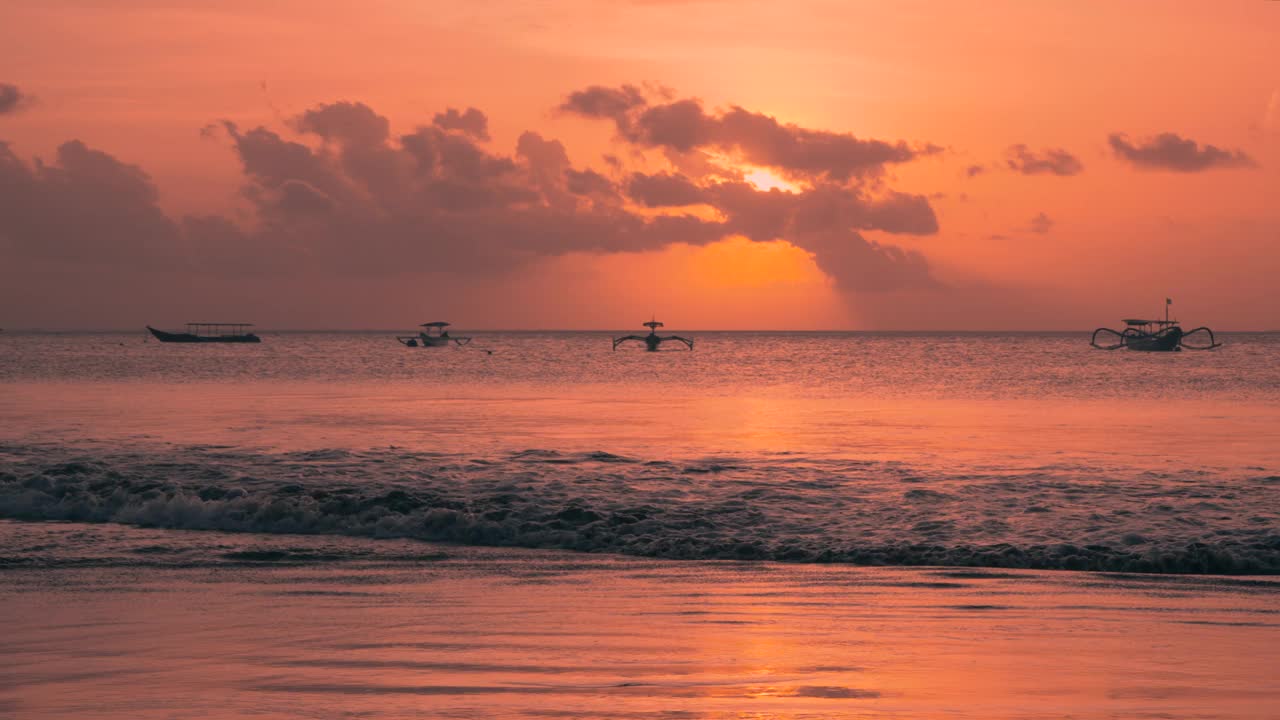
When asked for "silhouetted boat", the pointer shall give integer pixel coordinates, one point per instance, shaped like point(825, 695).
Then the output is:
point(208, 333)
point(1154, 335)
point(435, 335)
point(653, 340)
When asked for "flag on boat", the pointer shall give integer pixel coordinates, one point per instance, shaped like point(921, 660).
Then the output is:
point(1168, 301)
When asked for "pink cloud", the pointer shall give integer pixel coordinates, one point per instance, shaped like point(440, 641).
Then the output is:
point(346, 197)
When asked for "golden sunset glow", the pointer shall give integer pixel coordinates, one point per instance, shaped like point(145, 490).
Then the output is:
point(1018, 174)
point(738, 262)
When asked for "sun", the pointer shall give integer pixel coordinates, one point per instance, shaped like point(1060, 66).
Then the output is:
point(766, 180)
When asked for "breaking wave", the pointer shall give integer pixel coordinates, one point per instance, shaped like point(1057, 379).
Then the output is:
point(768, 507)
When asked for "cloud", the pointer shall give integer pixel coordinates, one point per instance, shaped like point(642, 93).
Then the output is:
point(1169, 151)
point(1041, 224)
point(84, 207)
point(589, 182)
point(665, 190)
point(298, 197)
point(856, 263)
point(346, 122)
point(345, 197)
point(604, 102)
point(11, 98)
point(1022, 159)
point(826, 220)
point(684, 126)
point(974, 170)
point(472, 122)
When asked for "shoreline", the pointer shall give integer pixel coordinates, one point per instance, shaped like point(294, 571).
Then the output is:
point(461, 631)
point(304, 556)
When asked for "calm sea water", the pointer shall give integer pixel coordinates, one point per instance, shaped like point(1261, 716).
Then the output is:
point(1012, 450)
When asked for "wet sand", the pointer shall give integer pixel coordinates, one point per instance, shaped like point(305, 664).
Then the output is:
point(119, 622)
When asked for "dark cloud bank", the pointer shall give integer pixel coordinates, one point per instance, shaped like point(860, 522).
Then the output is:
point(349, 197)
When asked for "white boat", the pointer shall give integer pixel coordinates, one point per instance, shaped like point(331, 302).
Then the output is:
point(434, 334)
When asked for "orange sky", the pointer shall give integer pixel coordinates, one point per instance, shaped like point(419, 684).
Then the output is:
point(1106, 235)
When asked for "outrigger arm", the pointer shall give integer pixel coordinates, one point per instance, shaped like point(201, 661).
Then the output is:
point(653, 341)
point(1119, 336)
point(1213, 342)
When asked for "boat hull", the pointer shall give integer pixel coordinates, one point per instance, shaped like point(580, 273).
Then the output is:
point(425, 340)
point(1165, 341)
point(169, 337)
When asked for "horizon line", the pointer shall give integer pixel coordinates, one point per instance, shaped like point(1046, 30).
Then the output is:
point(143, 330)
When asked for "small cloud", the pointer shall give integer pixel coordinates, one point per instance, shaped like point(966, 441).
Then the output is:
point(604, 102)
point(1041, 224)
point(974, 170)
point(12, 99)
point(1170, 151)
point(1051, 161)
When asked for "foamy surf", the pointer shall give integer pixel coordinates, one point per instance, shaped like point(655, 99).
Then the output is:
point(764, 507)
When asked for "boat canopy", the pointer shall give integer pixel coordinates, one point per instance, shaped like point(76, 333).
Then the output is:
point(208, 328)
point(435, 324)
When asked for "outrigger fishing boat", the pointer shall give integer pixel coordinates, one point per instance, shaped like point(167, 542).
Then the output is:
point(653, 340)
point(435, 335)
point(1154, 335)
point(208, 333)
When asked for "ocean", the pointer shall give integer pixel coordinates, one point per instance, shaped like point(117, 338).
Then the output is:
point(774, 525)
point(996, 450)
